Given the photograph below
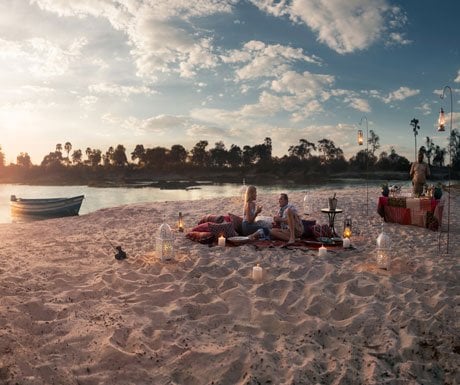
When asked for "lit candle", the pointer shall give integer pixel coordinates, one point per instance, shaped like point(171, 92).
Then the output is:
point(322, 251)
point(257, 273)
point(221, 241)
point(346, 242)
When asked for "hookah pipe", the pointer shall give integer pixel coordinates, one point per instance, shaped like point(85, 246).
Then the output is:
point(120, 253)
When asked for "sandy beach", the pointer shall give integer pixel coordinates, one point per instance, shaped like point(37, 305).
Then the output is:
point(73, 314)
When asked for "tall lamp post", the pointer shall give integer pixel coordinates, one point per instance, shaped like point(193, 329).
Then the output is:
point(360, 142)
point(441, 128)
point(414, 124)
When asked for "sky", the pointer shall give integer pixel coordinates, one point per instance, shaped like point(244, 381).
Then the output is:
point(98, 73)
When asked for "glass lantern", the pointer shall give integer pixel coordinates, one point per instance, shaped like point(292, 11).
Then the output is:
point(165, 243)
point(180, 223)
point(441, 121)
point(347, 227)
point(306, 203)
point(383, 258)
point(360, 137)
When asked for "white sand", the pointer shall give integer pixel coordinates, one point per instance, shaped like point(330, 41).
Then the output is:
point(72, 314)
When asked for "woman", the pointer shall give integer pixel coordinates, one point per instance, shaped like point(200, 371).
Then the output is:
point(250, 212)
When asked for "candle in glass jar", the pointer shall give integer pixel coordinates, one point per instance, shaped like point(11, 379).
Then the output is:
point(322, 251)
point(257, 273)
point(221, 241)
point(346, 242)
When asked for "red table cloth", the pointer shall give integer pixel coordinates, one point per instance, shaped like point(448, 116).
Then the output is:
point(423, 212)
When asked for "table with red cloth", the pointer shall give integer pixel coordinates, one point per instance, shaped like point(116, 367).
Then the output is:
point(423, 212)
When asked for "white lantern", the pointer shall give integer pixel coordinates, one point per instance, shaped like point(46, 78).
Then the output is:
point(165, 243)
point(306, 205)
point(383, 258)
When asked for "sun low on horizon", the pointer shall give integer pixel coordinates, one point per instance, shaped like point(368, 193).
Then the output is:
point(159, 73)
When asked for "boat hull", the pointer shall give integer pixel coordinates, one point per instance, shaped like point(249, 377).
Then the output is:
point(46, 208)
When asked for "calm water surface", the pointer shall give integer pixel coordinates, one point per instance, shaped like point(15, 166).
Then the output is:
point(98, 198)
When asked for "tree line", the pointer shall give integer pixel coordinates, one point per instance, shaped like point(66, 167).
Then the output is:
point(302, 160)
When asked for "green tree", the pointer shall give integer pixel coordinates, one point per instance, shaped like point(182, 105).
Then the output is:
point(218, 155)
point(199, 154)
point(329, 150)
point(439, 155)
point(454, 144)
point(94, 156)
point(156, 157)
point(373, 141)
point(52, 160)
point(178, 154)
point(119, 158)
point(23, 160)
point(235, 156)
point(59, 148)
point(77, 156)
point(138, 154)
point(429, 149)
point(302, 150)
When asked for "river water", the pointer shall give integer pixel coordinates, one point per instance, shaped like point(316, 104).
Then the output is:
point(97, 198)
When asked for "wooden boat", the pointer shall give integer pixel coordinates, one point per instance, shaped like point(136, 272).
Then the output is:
point(47, 207)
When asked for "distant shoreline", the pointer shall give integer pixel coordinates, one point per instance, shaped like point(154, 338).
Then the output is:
point(175, 180)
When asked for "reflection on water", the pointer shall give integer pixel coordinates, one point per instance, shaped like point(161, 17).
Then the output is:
point(98, 198)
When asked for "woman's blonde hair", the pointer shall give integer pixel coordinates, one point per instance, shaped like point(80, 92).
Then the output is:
point(250, 195)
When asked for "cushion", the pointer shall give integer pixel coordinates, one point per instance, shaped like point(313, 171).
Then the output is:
point(202, 227)
point(226, 229)
point(200, 236)
point(308, 228)
point(322, 231)
point(237, 222)
point(212, 218)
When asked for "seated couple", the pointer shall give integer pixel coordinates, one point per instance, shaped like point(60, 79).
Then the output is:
point(287, 224)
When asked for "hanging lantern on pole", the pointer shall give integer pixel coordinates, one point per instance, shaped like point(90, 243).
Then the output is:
point(441, 121)
point(360, 137)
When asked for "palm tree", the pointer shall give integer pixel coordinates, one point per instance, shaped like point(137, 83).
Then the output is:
point(68, 148)
point(429, 149)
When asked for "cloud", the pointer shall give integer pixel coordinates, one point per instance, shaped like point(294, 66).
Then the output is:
point(344, 26)
point(118, 90)
point(161, 32)
point(400, 94)
point(265, 60)
point(425, 109)
point(41, 57)
point(457, 79)
point(398, 39)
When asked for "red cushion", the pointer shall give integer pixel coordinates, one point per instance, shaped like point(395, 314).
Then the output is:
point(211, 218)
point(202, 227)
point(200, 236)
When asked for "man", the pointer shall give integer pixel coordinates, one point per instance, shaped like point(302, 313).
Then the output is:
point(419, 171)
point(288, 220)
